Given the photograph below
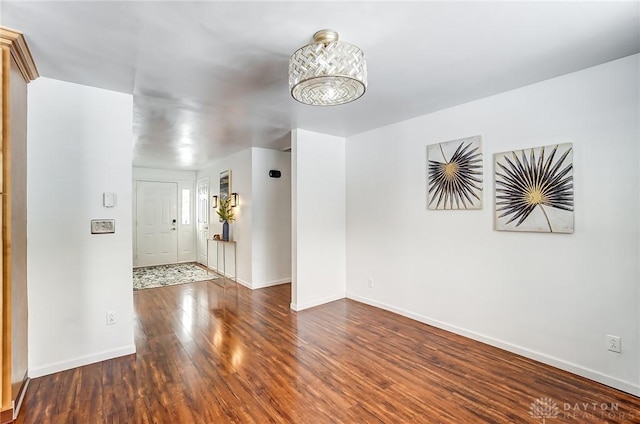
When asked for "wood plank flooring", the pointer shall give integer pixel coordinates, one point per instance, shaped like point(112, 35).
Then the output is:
point(208, 355)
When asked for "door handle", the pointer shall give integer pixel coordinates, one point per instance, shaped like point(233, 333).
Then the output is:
point(173, 229)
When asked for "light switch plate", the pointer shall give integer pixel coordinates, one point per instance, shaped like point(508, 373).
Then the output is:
point(103, 226)
point(108, 199)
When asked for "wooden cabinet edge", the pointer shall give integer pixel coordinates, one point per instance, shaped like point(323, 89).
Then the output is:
point(20, 51)
point(12, 46)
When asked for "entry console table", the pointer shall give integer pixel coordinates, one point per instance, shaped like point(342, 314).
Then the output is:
point(220, 268)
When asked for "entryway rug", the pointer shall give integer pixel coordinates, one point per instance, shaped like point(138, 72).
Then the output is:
point(168, 275)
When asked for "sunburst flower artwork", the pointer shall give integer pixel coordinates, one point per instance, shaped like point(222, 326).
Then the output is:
point(534, 189)
point(454, 174)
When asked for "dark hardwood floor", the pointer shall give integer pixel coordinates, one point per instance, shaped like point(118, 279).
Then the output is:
point(208, 355)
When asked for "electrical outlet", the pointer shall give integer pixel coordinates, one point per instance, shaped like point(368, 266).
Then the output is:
point(613, 343)
point(111, 317)
point(370, 283)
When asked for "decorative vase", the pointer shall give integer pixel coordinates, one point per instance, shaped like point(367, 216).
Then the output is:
point(225, 231)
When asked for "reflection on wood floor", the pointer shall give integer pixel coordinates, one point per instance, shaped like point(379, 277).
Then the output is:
point(212, 355)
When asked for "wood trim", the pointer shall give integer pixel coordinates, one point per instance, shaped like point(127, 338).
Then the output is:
point(5, 395)
point(4, 119)
point(5, 345)
point(13, 48)
point(5, 98)
point(20, 51)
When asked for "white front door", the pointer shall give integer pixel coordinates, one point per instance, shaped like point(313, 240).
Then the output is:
point(156, 232)
point(203, 220)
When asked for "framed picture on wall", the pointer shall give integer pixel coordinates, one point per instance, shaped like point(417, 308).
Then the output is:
point(534, 189)
point(225, 184)
point(454, 174)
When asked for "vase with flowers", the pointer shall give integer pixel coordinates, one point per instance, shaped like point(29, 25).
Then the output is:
point(226, 214)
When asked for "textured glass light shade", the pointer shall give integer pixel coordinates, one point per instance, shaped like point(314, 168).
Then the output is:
point(327, 72)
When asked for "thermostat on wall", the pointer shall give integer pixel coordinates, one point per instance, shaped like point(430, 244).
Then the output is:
point(108, 200)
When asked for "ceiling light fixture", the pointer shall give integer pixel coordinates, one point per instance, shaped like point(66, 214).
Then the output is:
point(327, 72)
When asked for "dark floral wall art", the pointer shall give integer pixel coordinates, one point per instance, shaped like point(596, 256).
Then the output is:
point(454, 174)
point(534, 189)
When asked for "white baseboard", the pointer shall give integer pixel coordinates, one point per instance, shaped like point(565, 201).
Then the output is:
point(17, 404)
point(244, 283)
point(191, 261)
point(314, 303)
point(80, 361)
point(625, 386)
point(271, 283)
point(254, 286)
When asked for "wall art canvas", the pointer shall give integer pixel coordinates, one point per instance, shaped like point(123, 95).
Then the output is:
point(454, 174)
point(225, 186)
point(534, 189)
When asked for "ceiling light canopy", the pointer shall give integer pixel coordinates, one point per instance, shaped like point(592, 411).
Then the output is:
point(327, 72)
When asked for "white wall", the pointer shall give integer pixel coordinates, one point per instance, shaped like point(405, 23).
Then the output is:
point(551, 297)
point(241, 229)
point(271, 227)
point(79, 146)
point(318, 219)
point(186, 233)
point(155, 174)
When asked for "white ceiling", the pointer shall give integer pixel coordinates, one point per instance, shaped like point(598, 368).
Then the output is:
point(210, 78)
